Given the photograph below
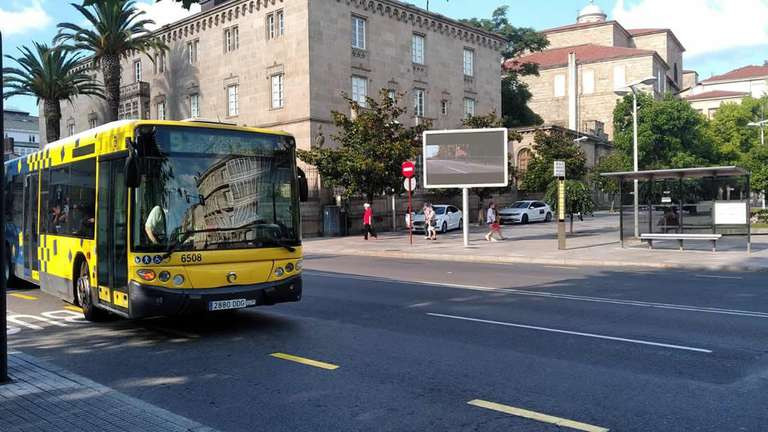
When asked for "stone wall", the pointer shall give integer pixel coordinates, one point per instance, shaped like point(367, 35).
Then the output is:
point(601, 34)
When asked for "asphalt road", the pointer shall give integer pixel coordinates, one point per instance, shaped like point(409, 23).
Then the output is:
point(619, 350)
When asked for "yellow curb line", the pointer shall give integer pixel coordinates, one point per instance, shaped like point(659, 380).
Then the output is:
point(73, 308)
point(23, 296)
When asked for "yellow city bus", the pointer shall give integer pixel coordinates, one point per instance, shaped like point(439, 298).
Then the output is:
point(142, 218)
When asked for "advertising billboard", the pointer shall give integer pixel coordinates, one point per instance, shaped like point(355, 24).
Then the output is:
point(466, 158)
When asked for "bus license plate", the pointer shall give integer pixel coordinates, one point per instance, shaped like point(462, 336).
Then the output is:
point(227, 304)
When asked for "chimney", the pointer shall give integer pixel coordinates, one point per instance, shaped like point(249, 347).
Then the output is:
point(573, 115)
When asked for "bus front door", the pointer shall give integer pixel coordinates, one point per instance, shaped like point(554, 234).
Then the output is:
point(112, 237)
point(31, 263)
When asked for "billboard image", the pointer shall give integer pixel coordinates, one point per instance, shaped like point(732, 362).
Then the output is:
point(465, 158)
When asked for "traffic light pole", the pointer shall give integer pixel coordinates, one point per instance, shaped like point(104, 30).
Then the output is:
point(3, 259)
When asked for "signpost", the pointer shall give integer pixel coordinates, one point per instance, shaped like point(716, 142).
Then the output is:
point(464, 159)
point(408, 169)
point(559, 172)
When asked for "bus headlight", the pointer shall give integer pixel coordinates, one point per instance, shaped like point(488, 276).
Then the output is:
point(289, 267)
point(164, 276)
point(146, 274)
point(178, 279)
point(279, 272)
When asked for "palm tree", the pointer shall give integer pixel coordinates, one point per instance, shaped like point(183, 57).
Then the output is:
point(51, 74)
point(115, 30)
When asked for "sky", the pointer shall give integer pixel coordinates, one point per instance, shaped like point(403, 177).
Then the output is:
point(719, 35)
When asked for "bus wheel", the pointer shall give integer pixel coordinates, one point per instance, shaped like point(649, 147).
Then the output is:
point(84, 296)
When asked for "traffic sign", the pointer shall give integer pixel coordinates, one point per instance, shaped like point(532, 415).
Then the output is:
point(559, 168)
point(408, 169)
point(409, 184)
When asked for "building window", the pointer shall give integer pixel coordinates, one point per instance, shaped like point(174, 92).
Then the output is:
point(280, 23)
point(619, 78)
point(278, 91)
point(71, 129)
point(360, 90)
point(523, 159)
point(419, 102)
point(160, 110)
point(161, 63)
point(137, 71)
point(91, 123)
point(358, 32)
point(194, 105)
point(588, 81)
point(417, 49)
point(32, 138)
point(271, 28)
point(469, 62)
point(469, 107)
point(392, 94)
point(675, 73)
point(231, 39)
point(192, 51)
point(233, 102)
point(444, 107)
point(559, 85)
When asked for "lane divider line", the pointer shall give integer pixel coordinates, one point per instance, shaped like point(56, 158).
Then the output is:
point(718, 277)
point(305, 361)
point(533, 415)
point(73, 308)
point(574, 333)
point(23, 296)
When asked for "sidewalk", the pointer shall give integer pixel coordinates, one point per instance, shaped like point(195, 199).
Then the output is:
point(595, 242)
point(42, 397)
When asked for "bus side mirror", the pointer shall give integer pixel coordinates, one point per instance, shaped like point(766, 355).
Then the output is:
point(132, 174)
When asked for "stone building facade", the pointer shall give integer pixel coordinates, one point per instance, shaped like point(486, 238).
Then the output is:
point(581, 96)
point(707, 95)
point(284, 64)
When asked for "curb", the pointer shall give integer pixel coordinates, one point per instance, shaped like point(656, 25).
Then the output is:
point(546, 261)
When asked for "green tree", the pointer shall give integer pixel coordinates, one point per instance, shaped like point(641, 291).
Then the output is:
point(670, 133)
point(549, 147)
point(520, 40)
point(578, 198)
point(50, 74)
point(371, 147)
point(614, 162)
point(115, 29)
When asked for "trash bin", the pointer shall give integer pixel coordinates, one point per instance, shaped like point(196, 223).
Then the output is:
point(332, 221)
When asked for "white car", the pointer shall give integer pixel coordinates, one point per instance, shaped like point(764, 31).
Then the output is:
point(448, 218)
point(526, 211)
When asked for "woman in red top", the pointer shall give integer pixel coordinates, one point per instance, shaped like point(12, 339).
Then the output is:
point(368, 221)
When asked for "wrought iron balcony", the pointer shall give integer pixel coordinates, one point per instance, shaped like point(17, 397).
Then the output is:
point(136, 89)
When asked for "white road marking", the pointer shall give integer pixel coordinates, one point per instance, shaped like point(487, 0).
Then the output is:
point(513, 291)
point(574, 333)
point(718, 277)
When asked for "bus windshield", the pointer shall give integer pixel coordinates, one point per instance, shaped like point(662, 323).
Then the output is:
point(205, 188)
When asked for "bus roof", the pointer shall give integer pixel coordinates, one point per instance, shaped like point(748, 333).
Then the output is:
point(135, 123)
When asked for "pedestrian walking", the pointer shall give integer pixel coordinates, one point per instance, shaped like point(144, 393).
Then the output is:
point(430, 220)
point(492, 220)
point(368, 222)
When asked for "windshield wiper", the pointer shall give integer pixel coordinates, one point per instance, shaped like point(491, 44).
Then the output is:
point(185, 235)
point(277, 242)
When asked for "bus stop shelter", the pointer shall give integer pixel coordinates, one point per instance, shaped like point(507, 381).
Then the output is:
point(686, 201)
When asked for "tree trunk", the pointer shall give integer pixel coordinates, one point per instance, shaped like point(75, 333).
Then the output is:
point(52, 115)
point(110, 67)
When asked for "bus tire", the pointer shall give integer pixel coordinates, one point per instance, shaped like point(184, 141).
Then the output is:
point(85, 294)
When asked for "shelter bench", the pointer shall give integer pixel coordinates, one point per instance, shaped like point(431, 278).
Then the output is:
point(680, 238)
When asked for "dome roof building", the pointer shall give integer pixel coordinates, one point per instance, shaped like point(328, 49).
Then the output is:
point(591, 14)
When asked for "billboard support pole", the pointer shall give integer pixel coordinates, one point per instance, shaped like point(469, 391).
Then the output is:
point(465, 214)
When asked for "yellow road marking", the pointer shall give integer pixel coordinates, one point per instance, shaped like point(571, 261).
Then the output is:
point(532, 415)
point(73, 308)
point(23, 296)
point(306, 361)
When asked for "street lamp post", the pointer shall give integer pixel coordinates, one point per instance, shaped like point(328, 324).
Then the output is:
point(761, 124)
point(633, 87)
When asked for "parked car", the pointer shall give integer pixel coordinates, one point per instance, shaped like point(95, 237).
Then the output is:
point(526, 211)
point(448, 218)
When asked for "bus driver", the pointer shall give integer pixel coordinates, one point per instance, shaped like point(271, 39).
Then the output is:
point(155, 225)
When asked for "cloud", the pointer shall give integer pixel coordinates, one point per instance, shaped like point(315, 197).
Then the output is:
point(702, 26)
point(165, 11)
point(18, 21)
